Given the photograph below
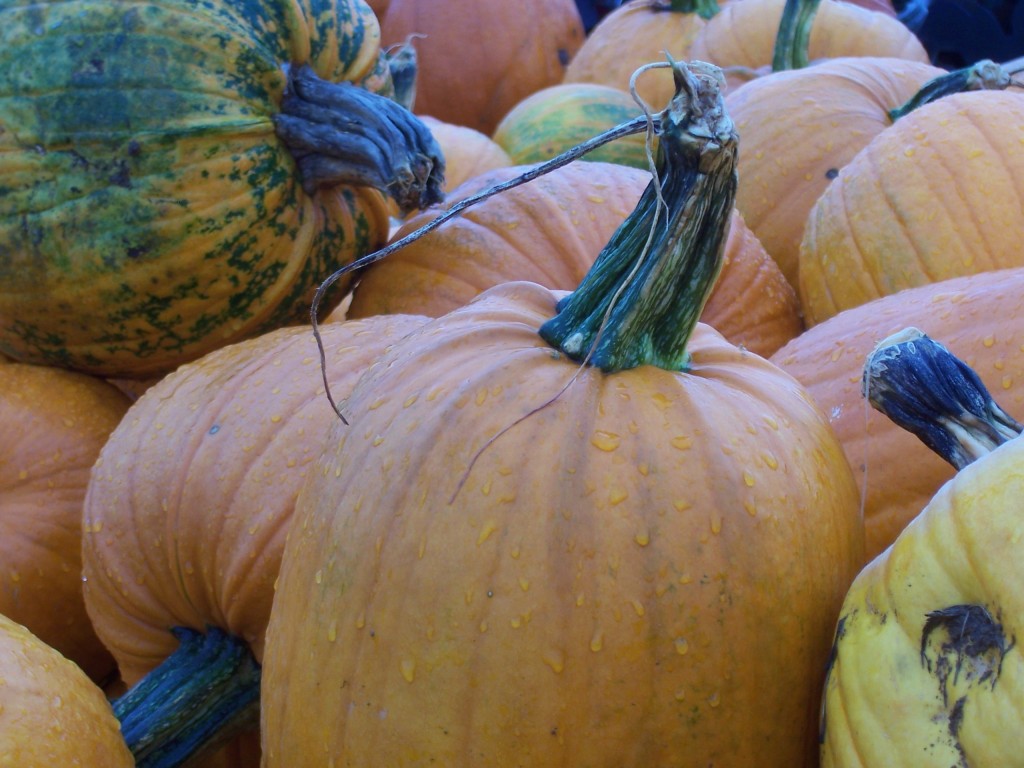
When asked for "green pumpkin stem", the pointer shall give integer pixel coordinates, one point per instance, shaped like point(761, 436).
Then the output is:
point(201, 696)
point(641, 300)
point(340, 133)
point(703, 8)
point(925, 389)
point(793, 38)
point(983, 75)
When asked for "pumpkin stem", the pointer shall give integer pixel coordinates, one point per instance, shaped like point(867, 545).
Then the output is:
point(641, 300)
point(983, 75)
point(340, 133)
point(703, 8)
point(925, 389)
point(793, 38)
point(202, 695)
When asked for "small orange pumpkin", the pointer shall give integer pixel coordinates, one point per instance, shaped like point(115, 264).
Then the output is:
point(475, 61)
point(51, 713)
point(934, 196)
point(978, 317)
point(189, 502)
point(548, 539)
point(55, 424)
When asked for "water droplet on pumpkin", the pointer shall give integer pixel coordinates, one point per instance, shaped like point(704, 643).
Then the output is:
point(597, 641)
point(714, 699)
point(770, 461)
point(524, 583)
point(489, 527)
point(408, 667)
point(751, 508)
point(410, 400)
point(716, 523)
point(680, 694)
point(642, 537)
point(189, 568)
point(638, 607)
point(319, 577)
point(988, 341)
point(682, 442)
point(377, 440)
point(605, 441)
point(332, 630)
point(554, 658)
point(617, 495)
point(748, 480)
point(682, 645)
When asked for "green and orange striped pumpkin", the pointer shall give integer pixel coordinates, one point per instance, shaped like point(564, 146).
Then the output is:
point(149, 210)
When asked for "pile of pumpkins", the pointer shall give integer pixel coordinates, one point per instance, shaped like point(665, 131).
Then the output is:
point(503, 507)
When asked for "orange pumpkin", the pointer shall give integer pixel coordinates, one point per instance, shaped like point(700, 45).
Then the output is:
point(549, 231)
point(55, 423)
point(636, 33)
point(187, 510)
point(477, 60)
point(519, 553)
point(467, 152)
point(978, 317)
point(932, 197)
point(51, 713)
point(799, 127)
point(743, 35)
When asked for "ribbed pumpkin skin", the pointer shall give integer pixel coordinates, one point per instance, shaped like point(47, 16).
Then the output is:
point(477, 59)
point(935, 196)
point(743, 34)
point(188, 506)
point(799, 127)
point(902, 695)
point(51, 714)
point(149, 212)
point(554, 119)
point(631, 575)
point(549, 231)
point(980, 318)
point(55, 423)
point(634, 34)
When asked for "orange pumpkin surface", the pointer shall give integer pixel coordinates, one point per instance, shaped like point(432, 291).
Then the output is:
point(571, 530)
point(743, 35)
point(798, 127)
point(978, 317)
point(549, 231)
point(51, 713)
point(935, 196)
point(55, 423)
point(188, 507)
point(467, 152)
point(477, 59)
point(187, 510)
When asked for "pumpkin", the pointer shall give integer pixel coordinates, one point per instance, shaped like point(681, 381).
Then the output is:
point(476, 60)
point(181, 176)
point(528, 549)
point(549, 231)
point(467, 152)
point(743, 36)
point(636, 33)
point(932, 197)
point(925, 672)
point(799, 127)
point(55, 423)
point(977, 316)
point(51, 713)
point(554, 119)
point(187, 511)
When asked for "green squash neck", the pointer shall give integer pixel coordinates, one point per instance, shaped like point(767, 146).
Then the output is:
point(200, 697)
point(642, 298)
point(983, 75)
point(792, 41)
